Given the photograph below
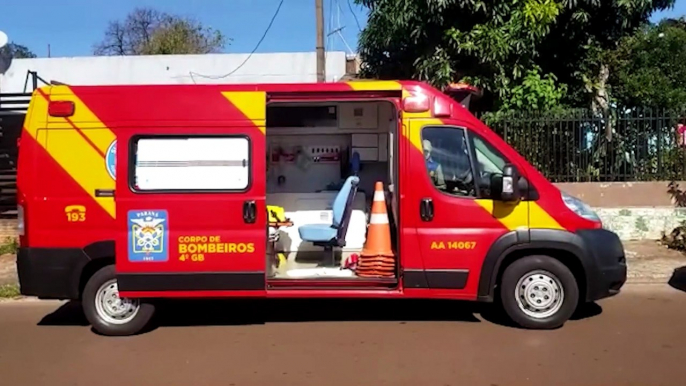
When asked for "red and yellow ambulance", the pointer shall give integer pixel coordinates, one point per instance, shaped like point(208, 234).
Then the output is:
point(128, 194)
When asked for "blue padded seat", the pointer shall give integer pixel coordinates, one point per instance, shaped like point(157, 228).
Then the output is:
point(317, 232)
point(329, 235)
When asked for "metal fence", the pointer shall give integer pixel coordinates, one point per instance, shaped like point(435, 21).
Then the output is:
point(573, 146)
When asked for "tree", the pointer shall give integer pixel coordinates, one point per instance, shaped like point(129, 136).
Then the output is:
point(18, 51)
point(146, 31)
point(649, 68)
point(501, 46)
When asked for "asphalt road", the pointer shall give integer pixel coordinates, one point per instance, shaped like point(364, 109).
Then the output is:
point(636, 338)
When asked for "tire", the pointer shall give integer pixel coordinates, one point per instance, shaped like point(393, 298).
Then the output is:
point(129, 317)
point(525, 288)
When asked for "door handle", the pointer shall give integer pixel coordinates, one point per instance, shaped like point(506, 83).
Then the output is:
point(426, 209)
point(104, 192)
point(249, 212)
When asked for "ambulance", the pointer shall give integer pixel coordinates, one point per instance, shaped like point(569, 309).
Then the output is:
point(364, 189)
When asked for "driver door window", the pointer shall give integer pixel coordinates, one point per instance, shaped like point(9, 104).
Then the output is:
point(447, 160)
point(449, 154)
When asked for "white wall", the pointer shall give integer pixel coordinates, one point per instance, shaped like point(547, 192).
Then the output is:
point(174, 69)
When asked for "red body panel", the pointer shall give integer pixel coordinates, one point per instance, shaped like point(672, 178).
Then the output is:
point(198, 219)
point(53, 191)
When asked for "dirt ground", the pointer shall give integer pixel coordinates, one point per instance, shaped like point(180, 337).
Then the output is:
point(648, 261)
point(8, 269)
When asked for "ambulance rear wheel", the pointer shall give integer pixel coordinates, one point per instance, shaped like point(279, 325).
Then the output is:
point(539, 292)
point(107, 312)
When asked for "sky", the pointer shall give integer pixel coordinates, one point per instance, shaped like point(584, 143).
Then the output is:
point(71, 27)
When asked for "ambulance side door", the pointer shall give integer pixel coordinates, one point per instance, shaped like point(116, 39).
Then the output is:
point(454, 231)
point(191, 211)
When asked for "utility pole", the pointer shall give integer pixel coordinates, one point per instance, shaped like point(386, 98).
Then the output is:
point(321, 58)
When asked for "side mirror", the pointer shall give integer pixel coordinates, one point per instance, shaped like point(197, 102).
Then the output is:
point(505, 187)
point(510, 188)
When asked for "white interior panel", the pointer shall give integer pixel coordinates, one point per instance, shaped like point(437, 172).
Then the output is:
point(359, 115)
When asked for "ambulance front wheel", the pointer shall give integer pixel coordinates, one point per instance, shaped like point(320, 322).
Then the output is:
point(107, 312)
point(539, 292)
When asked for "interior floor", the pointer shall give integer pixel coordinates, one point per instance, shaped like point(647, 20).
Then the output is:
point(324, 162)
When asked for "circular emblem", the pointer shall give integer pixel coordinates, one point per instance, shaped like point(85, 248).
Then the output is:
point(111, 159)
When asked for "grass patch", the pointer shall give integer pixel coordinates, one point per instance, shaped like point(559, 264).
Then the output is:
point(9, 246)
point(9, 291)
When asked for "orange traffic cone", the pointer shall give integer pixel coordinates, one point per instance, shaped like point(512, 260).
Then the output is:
point(378, 241)
point(377, 258)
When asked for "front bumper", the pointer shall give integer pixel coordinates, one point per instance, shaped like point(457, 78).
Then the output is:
point(50, 273)
point(608, 274)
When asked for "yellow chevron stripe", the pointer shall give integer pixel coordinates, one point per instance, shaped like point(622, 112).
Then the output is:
point(36, 113)
point(83, 118)
point(512, 216)
point(83, 163)
point(525, 214)
point(375, 85)
point(540, 219)
point(69, 149)
point(253, 104)
point(42, 137)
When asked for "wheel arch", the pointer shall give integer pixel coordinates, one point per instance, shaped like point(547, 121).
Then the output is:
point(100, 254)
point(564, 246)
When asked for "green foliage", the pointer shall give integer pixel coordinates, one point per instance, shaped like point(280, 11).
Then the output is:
point(9, 291)
point(18, 51)
point(649, 68)
point(569, 145)
point(146, 31)
point(535, 93)
point(676, 239)
point(177, 36)
point(506, 47)
point(10, 246)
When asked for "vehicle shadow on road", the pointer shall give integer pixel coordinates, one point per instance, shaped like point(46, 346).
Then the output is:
point(678, 279)
point(188, 313)
point(497, 316)
point(173, 313)
point(212, 312)
point(69, 314)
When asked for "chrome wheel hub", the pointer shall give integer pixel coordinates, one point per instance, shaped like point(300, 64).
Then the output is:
point(113, 309)
point(539, 294)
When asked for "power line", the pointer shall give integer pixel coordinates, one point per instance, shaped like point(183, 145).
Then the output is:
point(350, 6)
point(271, 22)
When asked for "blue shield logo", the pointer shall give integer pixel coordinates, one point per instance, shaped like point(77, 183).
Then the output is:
point(111, 160)
point(148, 239)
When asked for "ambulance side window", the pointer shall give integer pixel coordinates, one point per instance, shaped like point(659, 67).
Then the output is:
point(489, 161)
point(191, 163)
point(447, 161)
